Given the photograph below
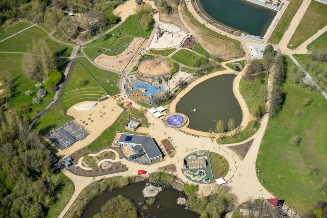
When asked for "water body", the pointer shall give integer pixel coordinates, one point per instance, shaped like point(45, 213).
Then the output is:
point(239, 14)
point(166, 199)
point(213, 99)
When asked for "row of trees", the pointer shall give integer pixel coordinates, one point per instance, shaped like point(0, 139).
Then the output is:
point(277, 96)
point(27, 184)
point(318, 55)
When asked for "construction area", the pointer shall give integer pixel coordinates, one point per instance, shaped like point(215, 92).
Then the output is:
point(154, 67)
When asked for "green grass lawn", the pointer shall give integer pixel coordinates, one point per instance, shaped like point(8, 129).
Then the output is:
point(198, 48)
point(319, 44)
point(22, 41)
point(249, 131)
point(186, 57)
point(230, 47)
point(164, 52)
point(106, 155)
point(75, 92)
point(127, 31)
point(296, 174)
point(53, 119)
point(102, 76)
point(90, 161)
point(187, 70)
point(14, 29)
point(65, 193)
point(313, 20)
point(314, 68)
point(285, 21)
point(106, 138)
point(219, 165)
point(253, 91)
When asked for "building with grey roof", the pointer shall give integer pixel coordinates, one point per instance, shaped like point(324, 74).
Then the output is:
point(132, 125)
point(143, 145)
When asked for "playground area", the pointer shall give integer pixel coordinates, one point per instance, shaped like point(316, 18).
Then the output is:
point(154, 67)
point(145, 92)
point(197, 167)
point(176, 120)
point(119, 62)
point(95, 120)
point(167, 36)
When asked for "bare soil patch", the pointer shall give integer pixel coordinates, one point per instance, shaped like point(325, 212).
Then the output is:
point(169, 147)
point(189, 43)
point(154, 67)
point(169, 168)
point(173, 19)
point(242, 149)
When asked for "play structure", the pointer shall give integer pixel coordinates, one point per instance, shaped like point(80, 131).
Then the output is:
point(144, 92)
point(167, 36)
point(154, 67)
point(176, 120)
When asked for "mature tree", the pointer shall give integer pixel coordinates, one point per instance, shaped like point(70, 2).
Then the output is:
point(54, 78)
point(318, 55)
point(146, 21)
point(112, 19)
point(255, 70)
point(276, 100)
point(41, 93)
point(220, 127)
point(53, 16)
point(231, 125)
point(268, 56)
point(144, 9)
point(259, 110)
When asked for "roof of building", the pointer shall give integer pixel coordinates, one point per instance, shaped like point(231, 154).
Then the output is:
point(133, 124)
point(139, 1)
point(148, 144)
point(152, 110)
point(161, 109)
point(158, 114)
point(273, 201)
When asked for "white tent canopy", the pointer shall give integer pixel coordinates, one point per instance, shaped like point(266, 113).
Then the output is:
point(153, 110)
point(158, 114)
point(161, 109)
point(221, 181)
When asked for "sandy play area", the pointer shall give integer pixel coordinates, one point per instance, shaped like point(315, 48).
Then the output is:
point(154, 67)
point(95, 121)
point(119, 62)
point(167, 36)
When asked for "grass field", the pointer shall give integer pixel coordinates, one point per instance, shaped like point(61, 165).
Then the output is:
point(188, 70)
point(313, 20)
point(127, 31)
point(186, 57)
point(225, 47)
point(14, 29)
point(253, 91)
point(106, 138)
point(219, 165)
point(65, 193)
point(102, 76)
point(53, 119)
point(74, 92)
point(285, 21)
point(296, 174)
point(198, 48)
point(314, 68)
point(320, 44)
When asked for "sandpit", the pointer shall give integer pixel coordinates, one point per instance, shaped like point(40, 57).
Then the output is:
point(154, 67)
point(95, 121)
point(119, 62)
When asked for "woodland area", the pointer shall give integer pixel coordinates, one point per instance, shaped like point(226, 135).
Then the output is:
point(27, 179)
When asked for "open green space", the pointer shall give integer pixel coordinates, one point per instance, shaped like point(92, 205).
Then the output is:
point(254, 92)
point(164, 52)
point(198, 48)
point(81, 86)
point(319, 43)
point(285, 21)
point(52, 119)
point(313, 20)
point(65, 193)
point(90, 161)
point(106, 155)
point(219, 165)
point(186, 57)
point(106, 138)
point(102, 76)
point(227, 47)
point(22, 41)
point(296, 173)
point(119, 45)
point(246, 133)
point(187, 70)
point(127, 31)
point(14, 29)
point(11, 64)
point(316, 69)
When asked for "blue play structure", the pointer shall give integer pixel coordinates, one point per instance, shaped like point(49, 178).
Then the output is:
point(148, 90)
point(175, 120)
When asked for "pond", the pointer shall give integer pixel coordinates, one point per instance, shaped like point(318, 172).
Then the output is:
point(212, 99)
point(239, 14)
point(166, 199)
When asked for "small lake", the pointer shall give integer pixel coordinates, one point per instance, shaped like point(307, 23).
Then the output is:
point(239, 14)
point(166, 199)
point(213, 99)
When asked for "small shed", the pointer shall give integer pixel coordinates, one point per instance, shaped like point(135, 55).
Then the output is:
point(158, 114)
point(139, 2)
point(161, 109)
point(132, 125)
point(153, 110)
